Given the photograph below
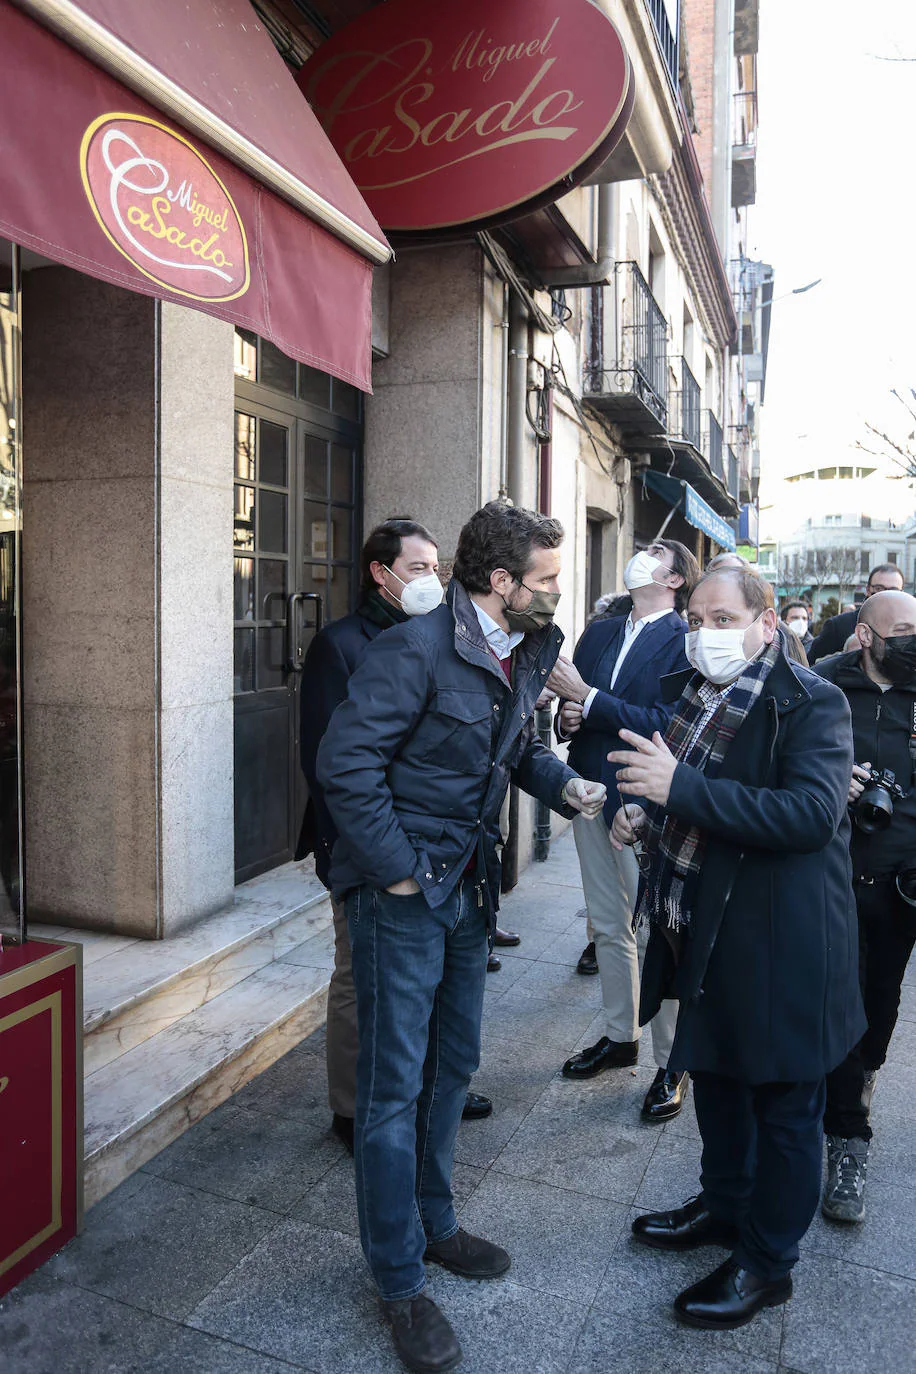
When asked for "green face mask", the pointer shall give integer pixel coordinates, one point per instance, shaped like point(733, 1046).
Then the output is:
point(538, 613)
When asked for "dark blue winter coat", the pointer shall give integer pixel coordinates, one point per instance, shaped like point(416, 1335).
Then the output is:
point(768, 975)
point(415, 764)
point(636, 701)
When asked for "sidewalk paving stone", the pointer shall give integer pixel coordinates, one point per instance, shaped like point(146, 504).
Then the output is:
point(530, 1018)
point(236, 1250)
point(160, 1246)
point(265, 1160)
point(845, 1319)
point(303, 1295)
point(559, 1241)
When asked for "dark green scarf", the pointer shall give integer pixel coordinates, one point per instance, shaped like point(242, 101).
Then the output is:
point(375, 608)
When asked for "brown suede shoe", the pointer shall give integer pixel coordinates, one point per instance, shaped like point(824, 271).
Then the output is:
point(423, 1337)
point(470, 1256)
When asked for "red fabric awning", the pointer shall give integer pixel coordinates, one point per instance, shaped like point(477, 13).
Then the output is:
point(98, 178)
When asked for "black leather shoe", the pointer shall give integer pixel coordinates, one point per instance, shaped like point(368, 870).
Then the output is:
point(470, 1256)
point(342, 1126)
point(666, 1096)
point(607, 1054)
point(475, 1107)
point(684, 1228)
point(422, 1337)
point(728, 1297)
point(494, 963)
point(588, 960)
point(506, 938)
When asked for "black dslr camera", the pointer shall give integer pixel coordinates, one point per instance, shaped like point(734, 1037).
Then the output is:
point(875, 807)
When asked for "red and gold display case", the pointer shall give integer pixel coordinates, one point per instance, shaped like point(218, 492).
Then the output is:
point(41, 1103)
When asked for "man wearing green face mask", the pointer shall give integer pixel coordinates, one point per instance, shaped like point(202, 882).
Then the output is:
point(879, 682)
point(415, 765)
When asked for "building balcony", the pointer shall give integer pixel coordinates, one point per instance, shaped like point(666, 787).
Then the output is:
point(744, 149)
point(684, 408)
point(667, 36)
point(631, 390)
point(654, 133)
point(692, 449)
point(731, 472)
point(713, 445)
point(747, 27)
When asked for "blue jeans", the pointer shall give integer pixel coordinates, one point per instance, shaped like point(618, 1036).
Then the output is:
point(419, 977)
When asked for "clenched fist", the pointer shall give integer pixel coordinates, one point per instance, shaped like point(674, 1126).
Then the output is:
point(587, 797)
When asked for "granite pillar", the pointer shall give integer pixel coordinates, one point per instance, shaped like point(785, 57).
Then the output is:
point(127, 607)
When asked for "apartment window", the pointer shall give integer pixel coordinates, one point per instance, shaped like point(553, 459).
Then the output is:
point(892, 556)
point(864, 561)
point(845, 472)
point(688, 337)
point(833, 519)
point(866, 522)
point(656, 267)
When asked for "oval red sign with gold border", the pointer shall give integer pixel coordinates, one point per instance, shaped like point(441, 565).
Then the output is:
point(162, 205)
point(470, 112)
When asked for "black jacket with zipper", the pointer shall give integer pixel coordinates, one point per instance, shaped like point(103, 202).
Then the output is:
point(882, 723)
point(768, 974)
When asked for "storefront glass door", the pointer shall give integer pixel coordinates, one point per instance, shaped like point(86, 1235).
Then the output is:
point(11, 850)
point(298, 444)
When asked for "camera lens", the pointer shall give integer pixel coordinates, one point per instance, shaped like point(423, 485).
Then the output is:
point(874, 810)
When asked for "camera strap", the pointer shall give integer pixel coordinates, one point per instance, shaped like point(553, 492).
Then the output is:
point(913, 742)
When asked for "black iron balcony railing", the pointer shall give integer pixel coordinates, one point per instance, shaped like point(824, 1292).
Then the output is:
point(667, 37)
point(684, 409)
point(732, 482)
point(744, 119)
point(634, 333)
point(713, 445)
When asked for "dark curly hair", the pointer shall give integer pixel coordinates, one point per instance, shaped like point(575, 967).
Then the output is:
point(502, 536)
point(384, 545)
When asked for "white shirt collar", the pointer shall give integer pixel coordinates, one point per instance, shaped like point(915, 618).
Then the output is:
point(646, 619)
point(499, 641)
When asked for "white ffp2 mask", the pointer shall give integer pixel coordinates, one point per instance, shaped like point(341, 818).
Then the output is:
point(421, 595)
point(719, 654)
point(639, 570)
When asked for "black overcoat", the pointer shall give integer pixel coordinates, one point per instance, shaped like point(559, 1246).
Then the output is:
point(332, 659)
point(768, 976)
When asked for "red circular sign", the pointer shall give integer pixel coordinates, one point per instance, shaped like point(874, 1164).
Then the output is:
point(470, 112)
point(162, 205)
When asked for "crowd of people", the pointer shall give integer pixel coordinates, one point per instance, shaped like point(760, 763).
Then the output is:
point(747, 817)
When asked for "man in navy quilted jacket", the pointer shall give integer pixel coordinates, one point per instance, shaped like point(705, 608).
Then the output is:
point(415, 766)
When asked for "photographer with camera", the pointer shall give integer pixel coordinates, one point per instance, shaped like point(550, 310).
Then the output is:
point(879, 681)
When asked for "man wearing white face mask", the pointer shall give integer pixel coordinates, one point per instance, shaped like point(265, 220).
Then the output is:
point(614, 683)
point(748, 899)
point(795, 614)
point(398, 579)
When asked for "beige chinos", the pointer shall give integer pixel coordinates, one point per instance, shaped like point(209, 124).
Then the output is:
point(342, 1035)
point(610, 878)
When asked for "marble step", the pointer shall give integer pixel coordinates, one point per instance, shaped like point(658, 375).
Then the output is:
point(142, 1101)
point(134, 989)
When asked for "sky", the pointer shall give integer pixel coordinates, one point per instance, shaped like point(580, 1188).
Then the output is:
point(836, 199)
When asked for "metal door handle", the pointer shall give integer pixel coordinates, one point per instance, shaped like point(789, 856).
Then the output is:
point(294, 655)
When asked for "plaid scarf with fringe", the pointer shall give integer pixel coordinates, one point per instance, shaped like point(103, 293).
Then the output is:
point(699, 735)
